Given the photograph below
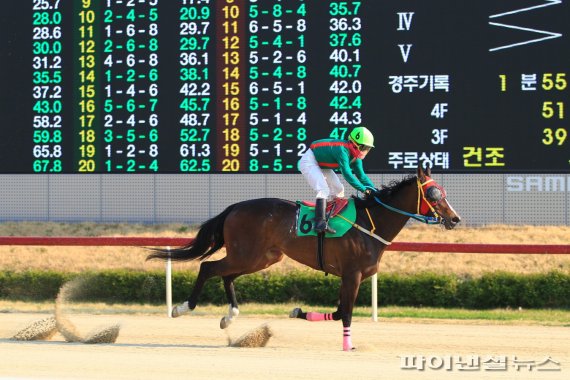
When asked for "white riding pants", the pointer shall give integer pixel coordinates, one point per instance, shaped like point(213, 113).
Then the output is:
point(324, 181)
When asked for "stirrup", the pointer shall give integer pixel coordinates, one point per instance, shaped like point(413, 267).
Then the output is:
point(323, 226)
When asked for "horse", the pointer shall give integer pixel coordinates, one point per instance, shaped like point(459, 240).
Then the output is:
point(260, 232)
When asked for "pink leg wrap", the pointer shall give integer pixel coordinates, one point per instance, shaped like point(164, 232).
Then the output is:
point(318, 317)
point(346, 339)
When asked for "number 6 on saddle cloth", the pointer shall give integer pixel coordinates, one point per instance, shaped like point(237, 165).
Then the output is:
point(342, 217)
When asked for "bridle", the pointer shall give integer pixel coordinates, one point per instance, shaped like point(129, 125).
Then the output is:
point(424, 205)
point(435, 195)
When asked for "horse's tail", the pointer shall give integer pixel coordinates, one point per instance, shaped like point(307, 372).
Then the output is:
point(209, 239)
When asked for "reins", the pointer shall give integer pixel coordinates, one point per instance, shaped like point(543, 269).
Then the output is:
point(419, 217)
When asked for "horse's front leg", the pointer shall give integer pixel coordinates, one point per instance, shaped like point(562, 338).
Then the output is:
point(348, 294)
point(314, 316)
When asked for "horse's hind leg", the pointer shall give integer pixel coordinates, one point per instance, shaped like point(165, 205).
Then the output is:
point(233, 310)
point(224, 268)
point(240, 259)
point(207, 271)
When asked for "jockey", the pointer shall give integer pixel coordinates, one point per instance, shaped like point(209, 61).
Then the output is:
point(320, 160)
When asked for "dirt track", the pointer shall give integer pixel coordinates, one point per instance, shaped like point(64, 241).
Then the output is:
point(193, 347)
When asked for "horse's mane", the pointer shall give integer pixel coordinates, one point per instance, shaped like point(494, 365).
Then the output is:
point(385, 192)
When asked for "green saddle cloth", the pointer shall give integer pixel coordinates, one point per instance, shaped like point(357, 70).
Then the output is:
point(306, 216)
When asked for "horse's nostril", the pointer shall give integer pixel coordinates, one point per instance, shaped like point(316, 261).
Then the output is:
point(456, 219)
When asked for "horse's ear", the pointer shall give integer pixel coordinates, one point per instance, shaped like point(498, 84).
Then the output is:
point(420, 173)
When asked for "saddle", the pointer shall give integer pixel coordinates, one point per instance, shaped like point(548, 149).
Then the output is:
point(333, 208)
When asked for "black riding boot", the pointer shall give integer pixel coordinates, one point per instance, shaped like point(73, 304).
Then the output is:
point(321, 224)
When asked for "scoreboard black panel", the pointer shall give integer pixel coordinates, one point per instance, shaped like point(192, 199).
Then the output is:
point(244, 86)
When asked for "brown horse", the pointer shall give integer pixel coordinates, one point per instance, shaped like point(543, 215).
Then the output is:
point(257, 233)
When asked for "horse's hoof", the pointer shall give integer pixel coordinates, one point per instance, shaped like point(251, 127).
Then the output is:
point(295, 312)
point(179, 310)
point(225, 322)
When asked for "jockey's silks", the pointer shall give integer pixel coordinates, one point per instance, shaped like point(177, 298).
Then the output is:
point(344, 156)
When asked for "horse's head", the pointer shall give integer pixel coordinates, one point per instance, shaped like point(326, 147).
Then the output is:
point(432, 200)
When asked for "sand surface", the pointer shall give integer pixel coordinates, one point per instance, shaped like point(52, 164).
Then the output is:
point(193, 347)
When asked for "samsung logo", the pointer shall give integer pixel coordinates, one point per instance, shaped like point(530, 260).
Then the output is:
point(536, 183)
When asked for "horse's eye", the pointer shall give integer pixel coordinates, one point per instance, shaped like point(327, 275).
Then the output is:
point(433, 194)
